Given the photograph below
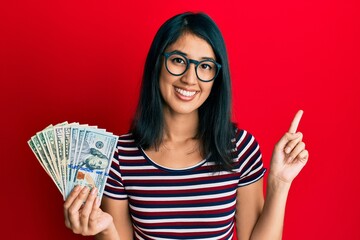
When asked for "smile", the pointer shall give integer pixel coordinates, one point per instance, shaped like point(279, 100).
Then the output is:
point(185, 93)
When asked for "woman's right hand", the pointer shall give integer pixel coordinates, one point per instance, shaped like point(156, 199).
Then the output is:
point(83, 214)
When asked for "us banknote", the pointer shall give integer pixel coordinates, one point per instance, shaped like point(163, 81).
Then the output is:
point(74, 154)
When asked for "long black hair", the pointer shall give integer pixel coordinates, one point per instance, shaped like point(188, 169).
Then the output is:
point(215, 129)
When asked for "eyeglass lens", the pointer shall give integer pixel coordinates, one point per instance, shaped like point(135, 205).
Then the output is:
point(178, 64)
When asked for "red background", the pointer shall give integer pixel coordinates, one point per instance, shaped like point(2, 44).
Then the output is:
point(82, 61)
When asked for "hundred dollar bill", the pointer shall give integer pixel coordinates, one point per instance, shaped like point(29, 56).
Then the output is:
point(70, 163)
point(44, 144)
point(67, 142)
point(77, 136)
point(79, 140)
point(50, 136)
point(35, 145)
point(33, 148)
point(93, 159)
point(59, 140)
point(76, 141)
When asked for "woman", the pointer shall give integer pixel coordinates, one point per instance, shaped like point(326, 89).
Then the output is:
point(185, 171)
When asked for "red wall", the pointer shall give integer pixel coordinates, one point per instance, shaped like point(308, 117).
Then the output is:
point(82, 61)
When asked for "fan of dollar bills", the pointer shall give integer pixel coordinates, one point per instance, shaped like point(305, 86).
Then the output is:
point(75, 154)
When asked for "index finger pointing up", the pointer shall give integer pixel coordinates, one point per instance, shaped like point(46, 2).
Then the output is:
point(295, 122)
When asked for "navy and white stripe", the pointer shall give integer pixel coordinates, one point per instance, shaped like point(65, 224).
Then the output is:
point(191, 203)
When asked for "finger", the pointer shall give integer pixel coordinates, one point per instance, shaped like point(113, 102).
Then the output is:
point(296, 151)
point(303, 156)
point(87, 208)
point(74, 209)
point(94, 213)
point(295, 122)
point(291, 144)
point(96, 204)
point(74, 193)
point(285, 139)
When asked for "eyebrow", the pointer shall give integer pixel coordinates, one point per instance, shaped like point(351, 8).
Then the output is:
point(182, 53)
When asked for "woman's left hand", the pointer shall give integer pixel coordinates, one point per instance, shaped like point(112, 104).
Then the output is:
point(289, 155)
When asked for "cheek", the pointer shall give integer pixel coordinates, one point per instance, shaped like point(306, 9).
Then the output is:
point(206, 87)
point(165, 81)
point(165, 76)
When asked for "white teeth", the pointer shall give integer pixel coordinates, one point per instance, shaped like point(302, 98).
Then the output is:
point(185, 93)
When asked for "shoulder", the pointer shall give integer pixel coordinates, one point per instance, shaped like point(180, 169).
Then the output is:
point(244, 142)
point(128, 149)
point(126, 145)
point(242, 135)
point(126, 140)
point(248, 157)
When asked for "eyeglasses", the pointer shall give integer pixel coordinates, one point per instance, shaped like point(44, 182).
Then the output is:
point(177, 64)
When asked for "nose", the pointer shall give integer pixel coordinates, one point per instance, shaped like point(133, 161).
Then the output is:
point(190, 76)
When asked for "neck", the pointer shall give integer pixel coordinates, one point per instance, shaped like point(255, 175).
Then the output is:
point(180, 127)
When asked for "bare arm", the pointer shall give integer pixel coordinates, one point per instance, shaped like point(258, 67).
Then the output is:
point(249, 205)
point(256, 220)
point(122, 224)
point(271, 221)
point(289, 157)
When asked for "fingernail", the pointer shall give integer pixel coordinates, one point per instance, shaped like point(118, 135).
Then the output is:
point(98, 202)
point(290, 159)
point(77, 188)
point(287, 150)
point(93, 191)
point(85, 190)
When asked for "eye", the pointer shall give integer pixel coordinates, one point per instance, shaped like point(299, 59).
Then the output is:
point(178, 60)
point(207, 66)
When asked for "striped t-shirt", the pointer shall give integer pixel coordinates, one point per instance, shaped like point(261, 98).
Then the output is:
point(191, 203)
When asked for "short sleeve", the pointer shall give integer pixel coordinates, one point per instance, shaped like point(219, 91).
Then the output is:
point(248, 158)
point(114, 187)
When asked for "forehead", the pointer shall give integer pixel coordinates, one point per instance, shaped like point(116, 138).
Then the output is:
point(193, 46)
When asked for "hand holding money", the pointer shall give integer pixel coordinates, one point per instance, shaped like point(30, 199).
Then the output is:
point(74, 154)
point(83, 214)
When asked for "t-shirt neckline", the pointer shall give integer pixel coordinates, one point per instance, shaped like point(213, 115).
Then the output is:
point(168, 168)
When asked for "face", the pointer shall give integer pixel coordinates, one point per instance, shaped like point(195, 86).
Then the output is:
point(95, 162)
point(185, 94)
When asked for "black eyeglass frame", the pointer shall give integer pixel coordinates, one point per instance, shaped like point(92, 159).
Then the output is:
point(188, 61)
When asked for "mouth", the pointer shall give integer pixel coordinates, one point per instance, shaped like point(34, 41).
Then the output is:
point(185, 93)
